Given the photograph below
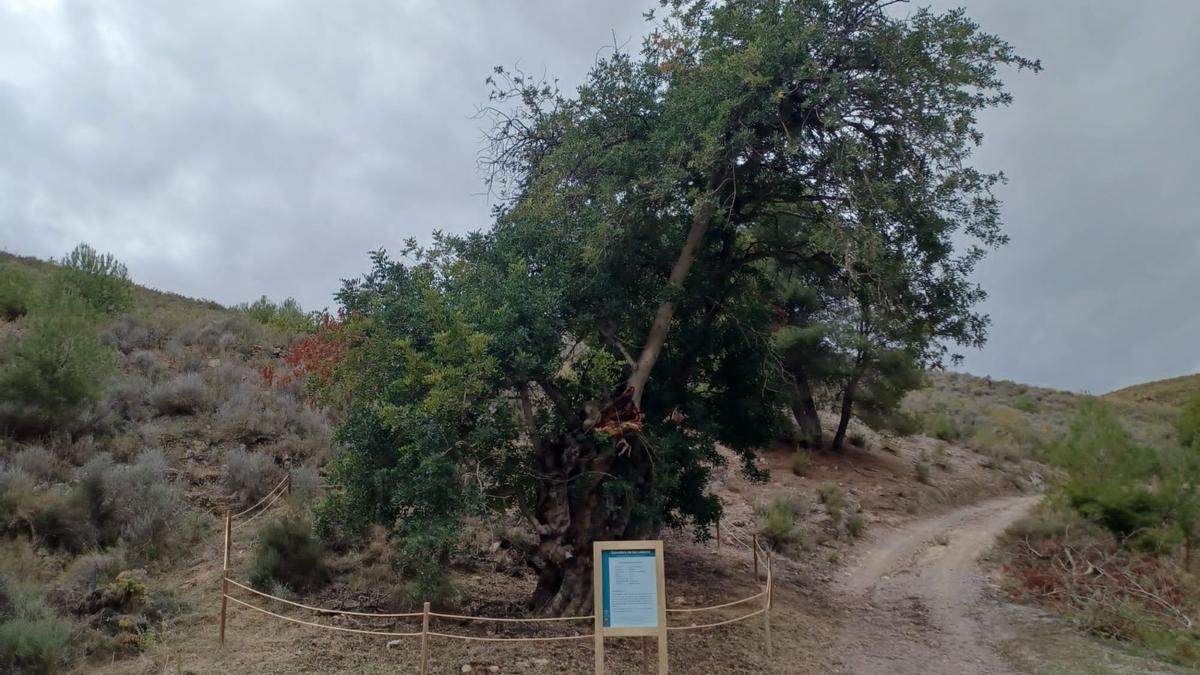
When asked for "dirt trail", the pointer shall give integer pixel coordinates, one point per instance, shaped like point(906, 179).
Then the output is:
point(915, 600)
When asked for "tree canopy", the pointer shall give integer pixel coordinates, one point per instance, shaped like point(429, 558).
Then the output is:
point(580, 361)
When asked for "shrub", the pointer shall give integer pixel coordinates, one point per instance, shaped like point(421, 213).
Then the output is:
point(147, 363)
point(779, 523)
point(306, 484)
point(126, 396)
point(35, 461)
point(32, 639)
point(943, 426)
point(99, 279)
point(801, 461)
point(288, 554)
point(941, 459)
point(1188, 424)
point(248, 475)
point(52, 372)
point(286, 316)
point(133, 503)
point(91, 570)
point(858, 439)
point(17, 289)
point(1006, 434)
point(856, 525)
point(182, 395)
point(834, 500)
point(250, 415)
point(1026, 404)
point(128, 334)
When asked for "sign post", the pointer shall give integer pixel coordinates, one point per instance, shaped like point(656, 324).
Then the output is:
point(629, 594)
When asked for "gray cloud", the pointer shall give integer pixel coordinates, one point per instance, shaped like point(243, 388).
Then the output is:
point(227, 149)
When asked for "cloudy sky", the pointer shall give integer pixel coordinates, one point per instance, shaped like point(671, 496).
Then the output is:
point(232, 148)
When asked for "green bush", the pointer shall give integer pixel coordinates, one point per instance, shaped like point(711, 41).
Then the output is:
point(1188, 424)
point(287, 553)
point(99, 279)
point(32, 639)
point(801, 461)
point(286, 316)
point(856, 525)
point(17, 291)
point(942, 426)
point(779, 523)
point(52, 371)
point(834, 500)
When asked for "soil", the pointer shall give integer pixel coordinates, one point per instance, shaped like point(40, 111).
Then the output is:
point(910, 596)
point(915, 597)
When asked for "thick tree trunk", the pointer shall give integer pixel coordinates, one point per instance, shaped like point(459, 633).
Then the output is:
point(573, 510)
point(808, 422)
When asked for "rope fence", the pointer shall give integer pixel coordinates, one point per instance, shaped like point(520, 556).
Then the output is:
point(761, 558)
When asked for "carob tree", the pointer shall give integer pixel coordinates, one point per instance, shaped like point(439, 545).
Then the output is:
point(581, 360)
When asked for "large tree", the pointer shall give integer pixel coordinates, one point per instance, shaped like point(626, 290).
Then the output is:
point(581, 360)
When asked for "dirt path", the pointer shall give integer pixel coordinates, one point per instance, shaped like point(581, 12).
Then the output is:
point(914, 597)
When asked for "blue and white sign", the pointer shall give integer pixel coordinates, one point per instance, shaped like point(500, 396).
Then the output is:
point(630, 589)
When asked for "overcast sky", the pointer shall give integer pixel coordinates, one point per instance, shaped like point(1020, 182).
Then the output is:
point(227, 149)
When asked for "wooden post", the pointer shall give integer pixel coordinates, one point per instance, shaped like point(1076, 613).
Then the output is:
point(289, 484)
point(225, 573)
point(425, 640)
point(767, 608)
point(754, 545)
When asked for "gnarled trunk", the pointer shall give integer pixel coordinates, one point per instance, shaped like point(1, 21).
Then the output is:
point(847, 405)
point(573, 509)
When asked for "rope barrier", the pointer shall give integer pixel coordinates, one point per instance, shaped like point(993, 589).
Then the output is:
point(473, 638)
point(322, 625)
point(719, 623)
point(706, 609)
point(264, 510)
point(243, 512)
point(589, 617)
point(323, 610)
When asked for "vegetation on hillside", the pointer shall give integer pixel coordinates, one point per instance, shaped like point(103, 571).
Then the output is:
point(115, 402)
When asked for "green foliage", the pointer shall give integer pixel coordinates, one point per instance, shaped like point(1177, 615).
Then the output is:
point(100, 280)
point(856, 525)
point(32, 638)
point(779, 523)
point(1188, 424)
point(287, 553)
point(1006, 433)
point(942, 426)
point(1147, 496)
point(53, 370)
point(1026, 404)
point(778, 139)
point(801, 461)
point(834, 500)
point(18, 291)
point(287, 316)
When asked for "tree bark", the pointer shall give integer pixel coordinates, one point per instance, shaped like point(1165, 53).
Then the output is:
point(804, 408)
point(847, 405)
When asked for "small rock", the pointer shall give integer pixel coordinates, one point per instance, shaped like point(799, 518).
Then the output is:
point(467, 668)
point(540, 662)
point(214, 363)
point(393, 644)
point(493, 669)
point(679, 601)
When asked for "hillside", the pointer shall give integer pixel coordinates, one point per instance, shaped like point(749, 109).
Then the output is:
point(110, 547)
point(1173, 392)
